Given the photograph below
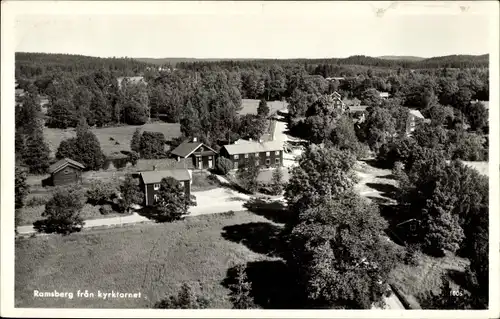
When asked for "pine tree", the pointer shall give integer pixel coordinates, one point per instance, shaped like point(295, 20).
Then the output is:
point(241, 290)
point(36, 155)
point(263, 109)
point(21, 187)
point(135, 144)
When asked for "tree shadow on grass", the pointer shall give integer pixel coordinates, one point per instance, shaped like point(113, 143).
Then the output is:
point(152, 214)
point(51, 227)
point(262, 238)
point(387, 190)
point(273, 286)
point(272, 210)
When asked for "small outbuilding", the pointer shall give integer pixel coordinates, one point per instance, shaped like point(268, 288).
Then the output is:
point(65, 171)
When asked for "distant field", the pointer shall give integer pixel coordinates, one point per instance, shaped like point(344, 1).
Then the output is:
point(121, 135)
point(249, 106)
point(154, 259)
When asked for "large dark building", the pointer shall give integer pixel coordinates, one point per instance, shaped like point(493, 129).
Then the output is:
point(65, 171)
point(150, 182)
point(267, 154)
point(196, 153)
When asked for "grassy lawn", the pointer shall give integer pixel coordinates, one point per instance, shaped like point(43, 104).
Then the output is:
point(414, 281)
point(202, 182)
point(151, 259)
point(112, 139)
point(249, 106)
point(29, 215)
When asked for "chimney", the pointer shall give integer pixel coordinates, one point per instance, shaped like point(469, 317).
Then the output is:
point(195, 139)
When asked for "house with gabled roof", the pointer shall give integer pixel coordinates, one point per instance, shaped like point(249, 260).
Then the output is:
point(199, 154)
point(63, 172)
point(266, 154)
point(150, 182)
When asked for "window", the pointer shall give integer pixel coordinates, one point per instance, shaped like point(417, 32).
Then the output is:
point(67, 171)
point(257, 163)
point(155, 197)
point(268, 161)
point(236, 156)
point(256, 154)
point(182, 184)
point(277, 161)
point(156, 187)
point(277, 153)
point(246, 155)
point(268, 153)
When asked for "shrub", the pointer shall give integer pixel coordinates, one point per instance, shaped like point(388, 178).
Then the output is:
point(223, 165)
point(277, 184)
point(241, 290)
point(131, 193)
point(105, 209)
point(411, 255)
point(37, 201)
point(133, 157)
point(152, 145)
point(100, 192)
point(185, 299)
point(171, 203)
point(62, 211)
point(21, 187)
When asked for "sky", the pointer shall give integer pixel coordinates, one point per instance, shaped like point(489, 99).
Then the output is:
point(308, 31)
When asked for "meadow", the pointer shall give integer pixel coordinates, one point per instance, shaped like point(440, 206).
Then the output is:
point(154, 259)
point(112, 139)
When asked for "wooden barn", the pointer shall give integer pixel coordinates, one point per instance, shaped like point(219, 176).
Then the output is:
point(197, 153)
point(65, 171)
point(150, 182)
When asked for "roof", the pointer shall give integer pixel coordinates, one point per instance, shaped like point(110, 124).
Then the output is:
point(54, 168)
point(187, 148)
point(357, 108)
point(384, 94)
point(253, 147)
point(162, 164)
point(417, 113)
point(151, 177)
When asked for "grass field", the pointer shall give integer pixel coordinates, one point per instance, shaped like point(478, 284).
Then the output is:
point(426, 276)
point(249, 106)
point(121, 135)
point(151, 259)
point(29, 215)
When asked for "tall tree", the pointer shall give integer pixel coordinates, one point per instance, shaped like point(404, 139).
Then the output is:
point(339, 256)
point(22, 188)
point(322, 173)
point(135, 143)
point(171, 202)
point(101, 113)
point(62, 114)
point(263, 109)
point(36, 152)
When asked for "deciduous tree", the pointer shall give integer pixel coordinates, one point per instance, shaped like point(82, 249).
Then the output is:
point(171, 202)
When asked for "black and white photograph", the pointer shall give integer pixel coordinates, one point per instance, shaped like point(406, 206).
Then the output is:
point(229, 156)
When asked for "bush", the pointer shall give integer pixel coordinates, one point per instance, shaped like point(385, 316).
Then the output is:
point(152, 145)
point(411, 255)
point(185, 299)
point(100, 192)
point(223, 165)
point(133, 157)
point(62, 211)
point(37, 201)
point(105, 209)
